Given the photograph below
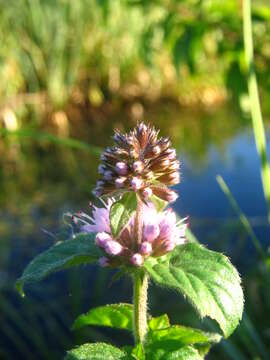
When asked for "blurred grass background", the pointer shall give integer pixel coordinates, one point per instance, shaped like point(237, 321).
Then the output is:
point(71, 71)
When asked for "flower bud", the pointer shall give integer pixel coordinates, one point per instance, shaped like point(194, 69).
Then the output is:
point(121, 168)
point(156, 150)
point(138, 166)
point(119, 182)
point(102, 238)
point(113, 247)
point(103, 261)
point(108, 175)
point(171, 154)
point(101, 169)
point(136, 183)
point(146, 248)
point(147, 192)
point(172, 196)
point(137, 259)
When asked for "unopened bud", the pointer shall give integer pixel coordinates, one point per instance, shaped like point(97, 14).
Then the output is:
point(147, 192)
point(108, 175)
point(121, 168)
point(113, 247)
point(171, 154)
point(137, 259)
point(156, 150)
point(103, 261)
point(136, 183)
point(119, 182)
point(146, 248)
point(102, 238)
point(138, 166)
point(101, 168)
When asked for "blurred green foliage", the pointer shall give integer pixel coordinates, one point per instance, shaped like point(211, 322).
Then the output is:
point(90, 50)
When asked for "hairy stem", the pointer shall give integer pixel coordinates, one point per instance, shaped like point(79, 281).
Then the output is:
point(256, 113)
point(140, 286)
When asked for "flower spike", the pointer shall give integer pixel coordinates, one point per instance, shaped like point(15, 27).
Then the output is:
point(140, 162)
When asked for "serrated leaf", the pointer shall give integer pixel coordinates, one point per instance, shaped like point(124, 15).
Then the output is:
point(121, 212)
point(179, 335)
point(98, 351)
point(116, 316)
point(206, 278)
point(179, 342)
point(77, 251)
point(184, 353)
point(159, 322)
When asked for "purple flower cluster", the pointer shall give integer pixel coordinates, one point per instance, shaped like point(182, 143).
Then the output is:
point(160, 234)
point(140, 161)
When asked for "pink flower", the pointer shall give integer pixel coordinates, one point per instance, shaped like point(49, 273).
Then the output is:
point(99, 221)
point(151, 231)
point(160, 234)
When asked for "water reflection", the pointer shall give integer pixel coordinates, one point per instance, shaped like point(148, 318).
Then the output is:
point(39, 182)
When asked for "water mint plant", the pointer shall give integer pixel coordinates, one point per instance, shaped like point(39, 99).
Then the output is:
point(133, 230)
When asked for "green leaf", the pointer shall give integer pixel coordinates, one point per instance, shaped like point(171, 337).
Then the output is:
point(116, 316)
point(121, 212)
point(178, 341)
point(206, 278)
point(98, 351)
point(159, 322)
point(79, 250)
point(184, 353)
point(158, 203)
point(138, 352)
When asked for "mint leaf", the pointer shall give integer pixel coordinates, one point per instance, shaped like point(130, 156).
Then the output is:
point(162, 353)
point(116, 316)
point(159, 322)
point(121, 212)
point(98, 351)
point(206, 278)
point(79, 250)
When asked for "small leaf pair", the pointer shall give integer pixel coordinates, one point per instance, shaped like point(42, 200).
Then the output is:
point(163, 341)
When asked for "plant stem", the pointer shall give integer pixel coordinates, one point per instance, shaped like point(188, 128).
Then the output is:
point(140, 306)
point(140, 284)
point(256, 113)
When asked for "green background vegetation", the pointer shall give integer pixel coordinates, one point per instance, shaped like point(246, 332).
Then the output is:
point(71, 71)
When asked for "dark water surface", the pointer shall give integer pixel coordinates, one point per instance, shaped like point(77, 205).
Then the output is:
point(39, 182)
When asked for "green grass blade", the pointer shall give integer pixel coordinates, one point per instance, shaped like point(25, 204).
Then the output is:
point(59, 140)
point(241, 215)
point(256, 114)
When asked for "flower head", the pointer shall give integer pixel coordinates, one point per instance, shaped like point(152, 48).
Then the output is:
point(141, 162)
point(160, 234)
